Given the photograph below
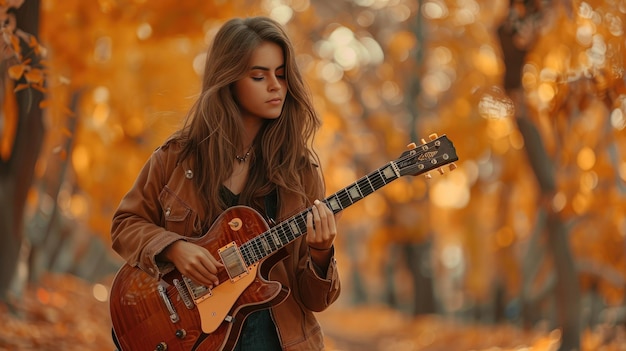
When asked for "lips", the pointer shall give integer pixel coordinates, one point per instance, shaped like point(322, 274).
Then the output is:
point(274, 101)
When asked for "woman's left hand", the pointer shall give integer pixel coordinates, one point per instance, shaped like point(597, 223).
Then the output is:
point(321, 227)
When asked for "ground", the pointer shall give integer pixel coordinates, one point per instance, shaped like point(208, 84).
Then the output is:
point(63, 313)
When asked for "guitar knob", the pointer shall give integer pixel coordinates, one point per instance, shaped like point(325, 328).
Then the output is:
point(181, 333)
point(162, 346)
point(411, 146)
point(452, 166)
point(433, 136)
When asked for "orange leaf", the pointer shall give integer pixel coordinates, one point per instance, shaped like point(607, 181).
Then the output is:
point(15, 43)
point(16, 71)
point(33, 42)
point(20, 87)
point(35, 75)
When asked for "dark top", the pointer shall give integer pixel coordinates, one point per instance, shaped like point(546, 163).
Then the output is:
point(259, 331)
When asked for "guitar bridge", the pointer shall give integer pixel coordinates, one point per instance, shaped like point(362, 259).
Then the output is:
point(233, 261)
point(183, 292)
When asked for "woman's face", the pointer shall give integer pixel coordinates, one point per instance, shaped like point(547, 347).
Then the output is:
point(261, 93)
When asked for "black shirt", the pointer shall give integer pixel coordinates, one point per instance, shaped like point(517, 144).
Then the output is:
point(259, 331)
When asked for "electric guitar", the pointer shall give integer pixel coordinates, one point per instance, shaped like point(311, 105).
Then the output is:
point(176, 314)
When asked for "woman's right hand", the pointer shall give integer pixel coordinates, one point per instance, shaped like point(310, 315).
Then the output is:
point(194, 262)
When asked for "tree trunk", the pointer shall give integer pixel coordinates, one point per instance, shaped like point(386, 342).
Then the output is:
point(417, 256)
point(567, 289)
point(17, 172)
point(567, 293)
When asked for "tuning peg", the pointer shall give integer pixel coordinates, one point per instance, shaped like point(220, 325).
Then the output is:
point(433, 136)
point(428, 176)
point(411, 146)
point(452, 166)
point(423, 141)
point(440, 170)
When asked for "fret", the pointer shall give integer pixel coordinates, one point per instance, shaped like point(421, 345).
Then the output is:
point(258, 249)
point(301, 219)
point(334, 203)
point(261, 246)
point(345, 196)
point(282, 234)
point(380, 179)
point(370, 181)
point(266, 245)
point(254, 249)
point(275, 239)
point(355, 193)
point(389, 173)
point(365, 186)
point(270, 241)
point(293, 225)
point(245, 253)
point(286, 232)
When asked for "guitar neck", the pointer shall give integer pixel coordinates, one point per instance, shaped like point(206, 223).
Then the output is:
point(289, 230)
point(431, 155)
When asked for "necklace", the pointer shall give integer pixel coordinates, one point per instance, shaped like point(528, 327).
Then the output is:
point(243, 158)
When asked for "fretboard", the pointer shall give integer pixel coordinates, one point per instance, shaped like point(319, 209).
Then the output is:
point(289, 230)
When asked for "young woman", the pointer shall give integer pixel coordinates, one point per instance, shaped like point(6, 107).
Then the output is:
point(246, 141)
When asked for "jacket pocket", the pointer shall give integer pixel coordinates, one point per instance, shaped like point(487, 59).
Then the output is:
point(176, 213)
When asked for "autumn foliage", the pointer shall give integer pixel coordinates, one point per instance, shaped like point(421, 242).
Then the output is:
point(120, 75)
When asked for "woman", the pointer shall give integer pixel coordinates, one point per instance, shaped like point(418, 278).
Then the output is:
point(245, 141)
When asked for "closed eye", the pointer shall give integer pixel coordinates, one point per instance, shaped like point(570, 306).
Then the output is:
point(260, 78)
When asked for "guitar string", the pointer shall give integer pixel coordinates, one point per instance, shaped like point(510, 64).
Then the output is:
point(255, 246)
point(258, 249)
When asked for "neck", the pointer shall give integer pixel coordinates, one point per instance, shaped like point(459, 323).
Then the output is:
point(251, 127)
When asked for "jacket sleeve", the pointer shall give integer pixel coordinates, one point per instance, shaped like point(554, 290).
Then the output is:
point(137, 233)
point(317, 292)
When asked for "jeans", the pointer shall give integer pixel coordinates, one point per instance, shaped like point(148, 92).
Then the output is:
point(258, 333)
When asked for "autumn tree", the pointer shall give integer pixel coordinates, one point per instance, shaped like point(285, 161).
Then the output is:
point(365, 55)
point(556, 85)
point(566, 291)
point(47, 178)
point(531, 93)
point(21, 126)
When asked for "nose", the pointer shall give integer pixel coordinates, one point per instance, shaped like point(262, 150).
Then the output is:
point(273, 84)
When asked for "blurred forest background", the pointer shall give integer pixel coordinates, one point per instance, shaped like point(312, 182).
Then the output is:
point(522, 247)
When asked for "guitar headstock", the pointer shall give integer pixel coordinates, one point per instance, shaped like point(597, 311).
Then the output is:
point(434, 154)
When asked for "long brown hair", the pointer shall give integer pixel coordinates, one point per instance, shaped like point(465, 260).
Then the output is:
point(212, 130)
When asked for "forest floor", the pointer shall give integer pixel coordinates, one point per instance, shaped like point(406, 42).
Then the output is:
point(61, 313)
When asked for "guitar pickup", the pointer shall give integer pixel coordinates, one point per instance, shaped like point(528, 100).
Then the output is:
point(233, 261)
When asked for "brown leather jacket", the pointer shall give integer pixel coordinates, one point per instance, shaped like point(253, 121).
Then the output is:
point(163, 206)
